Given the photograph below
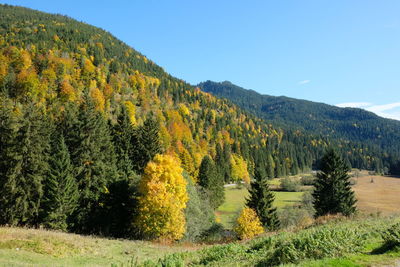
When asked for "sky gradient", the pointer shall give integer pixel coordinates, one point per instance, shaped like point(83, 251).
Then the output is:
point(341, 52)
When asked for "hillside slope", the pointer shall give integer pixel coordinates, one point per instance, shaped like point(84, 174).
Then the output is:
point(341, 242)
point(345, 124)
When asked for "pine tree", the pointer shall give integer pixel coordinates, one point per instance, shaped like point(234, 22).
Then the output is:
point(211, 181)
point(261, 200)
point(61, 189)
point(333, 193)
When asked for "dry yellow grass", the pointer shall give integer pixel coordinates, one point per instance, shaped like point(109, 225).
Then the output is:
point(378, 194)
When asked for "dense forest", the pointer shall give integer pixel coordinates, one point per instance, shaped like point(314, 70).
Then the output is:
point(346, 127)
point(96, 138)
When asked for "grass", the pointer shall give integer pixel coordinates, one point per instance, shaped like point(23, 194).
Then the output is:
point(30, 247)
point(235, 199)
point(340, 242)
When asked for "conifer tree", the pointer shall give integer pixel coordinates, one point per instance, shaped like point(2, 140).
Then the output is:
point(23, 166)
point(261, 200)
point(122, 134)
point(333, 193)
point(61, 189)
point(146, 144)
point(211, 181)
point(93, 156)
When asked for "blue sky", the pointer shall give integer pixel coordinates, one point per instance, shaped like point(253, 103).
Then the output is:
point(344, 52)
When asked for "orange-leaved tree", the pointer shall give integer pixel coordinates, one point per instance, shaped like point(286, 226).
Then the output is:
point(162, 200)
point(248, 225)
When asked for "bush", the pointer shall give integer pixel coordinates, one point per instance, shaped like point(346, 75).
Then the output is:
point(248, 224)
point(317, 244)
point(392, 236)
point(198, 213)
point(294, 216)
point(216, 233)
point(290, 185)
point(307, 180)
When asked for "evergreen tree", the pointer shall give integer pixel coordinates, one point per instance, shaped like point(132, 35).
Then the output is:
point(211, 181)
point(61, 189)
point(93, 156)
point(261, 199)
point(23, 165)
point(122, 134)
point(333, 193)
point(146, 144)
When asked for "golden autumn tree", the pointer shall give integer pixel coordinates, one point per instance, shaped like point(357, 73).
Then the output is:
point(248, 225)
point(239, 169)
point(162, 200)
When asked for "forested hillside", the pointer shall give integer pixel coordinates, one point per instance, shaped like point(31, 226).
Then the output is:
point(353, 126)
point(82, 115)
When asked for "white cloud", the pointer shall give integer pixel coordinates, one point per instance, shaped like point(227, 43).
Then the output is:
point(390, 111)
point(304, 82)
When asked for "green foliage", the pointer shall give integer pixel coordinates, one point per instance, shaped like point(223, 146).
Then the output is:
point(317, 244)
point(92, 153)
point(24, 151)
point(333, 193)
point(392, 236)
point(290, 185)
point(61, 190)
point(294, 216)
point(261, 200)
point(198, 213)
point(146, 144)
point(211, 181)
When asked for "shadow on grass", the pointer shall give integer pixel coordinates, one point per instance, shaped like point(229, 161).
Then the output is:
point(386, 247)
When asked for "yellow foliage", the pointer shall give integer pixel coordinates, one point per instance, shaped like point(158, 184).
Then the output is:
point(248, 224)
point(239, 168)
point(98, 98)
point(183, 109)
point(67, 91)
point(131, 111)
point(162, 200)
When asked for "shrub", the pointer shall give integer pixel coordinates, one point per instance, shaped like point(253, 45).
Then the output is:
point(198, 213)
point(317, 244)
point(248, 225)
point(307, 180)
point(294, 216)
point(392, 236)
point(290, 185)
point(220, 252)
point(216, 233)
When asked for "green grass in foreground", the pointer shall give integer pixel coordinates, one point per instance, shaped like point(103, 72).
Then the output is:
point(235, 200)
point(30, 247)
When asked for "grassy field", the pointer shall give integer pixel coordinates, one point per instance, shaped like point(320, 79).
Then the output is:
point(30, 247)
point(378, 194)
point(235, 200)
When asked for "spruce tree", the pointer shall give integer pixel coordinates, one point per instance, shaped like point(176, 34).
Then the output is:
point(261, 199)
point(211, 181)
point(145, 144)
point(61, 189)
point(333, 193)
point(93, 156)
point(23, 165)
point(122, 134)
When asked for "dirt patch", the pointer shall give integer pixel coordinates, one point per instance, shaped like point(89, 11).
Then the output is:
point(378, 194)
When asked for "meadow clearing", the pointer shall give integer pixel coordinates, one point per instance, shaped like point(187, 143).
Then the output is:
point(374, 193)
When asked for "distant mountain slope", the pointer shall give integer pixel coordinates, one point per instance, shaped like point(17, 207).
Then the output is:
point(348, 124)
